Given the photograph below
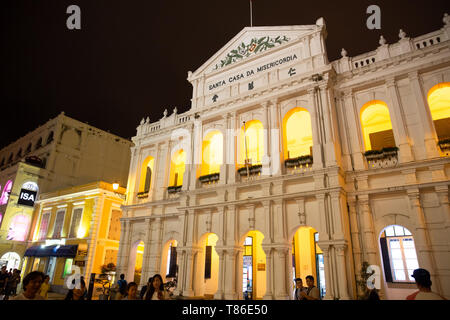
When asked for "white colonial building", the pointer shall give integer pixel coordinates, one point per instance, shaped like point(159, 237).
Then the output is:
point(288, 165)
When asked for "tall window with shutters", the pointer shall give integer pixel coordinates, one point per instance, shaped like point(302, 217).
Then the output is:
point(76, 219)
point(58, 224)
point(44, 226)
point(208, 258)
point(172, 262)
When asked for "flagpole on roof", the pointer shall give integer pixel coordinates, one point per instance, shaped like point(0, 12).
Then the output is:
point(251, 14)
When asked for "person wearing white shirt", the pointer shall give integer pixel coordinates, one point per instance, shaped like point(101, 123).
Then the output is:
point(31, 284)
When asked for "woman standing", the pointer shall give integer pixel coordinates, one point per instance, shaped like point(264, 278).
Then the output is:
point(43, 291)
point(77, 294)
point(156, 290)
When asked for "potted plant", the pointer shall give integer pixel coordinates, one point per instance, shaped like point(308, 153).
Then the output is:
point(389, 151)
point(444, 144)
point(174, 189)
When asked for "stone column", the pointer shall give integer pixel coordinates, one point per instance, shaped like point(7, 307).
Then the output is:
point(367, 229)
point(424, 113)
point(181, 285)
point(231, 147)
point(146, 257)
point(269, 272)
point(266, 170)
point(442, 192)
point(329, 286)
point(355, 234)
point(276, 141)
point(330, 152)
point(121, 261)
point(354, 133)
point(316, 135)
point(219, 295)
point(399, 126)
point(224, 166)
point(280, 273)
point(338, 215)
point(93, 235)
point(230, 274)
point(278, 221)
point(190, 269)
point(422, 240)
point(320, 198)
point(342, 271)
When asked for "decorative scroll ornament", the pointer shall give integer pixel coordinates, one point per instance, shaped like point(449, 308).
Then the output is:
point(245, 50)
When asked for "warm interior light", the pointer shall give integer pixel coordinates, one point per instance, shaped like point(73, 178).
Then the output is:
point(375, 120)
point(81, 232)
point(115, 186)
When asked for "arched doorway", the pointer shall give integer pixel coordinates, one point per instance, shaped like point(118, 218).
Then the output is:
point(11, 260)
point(207, 271)
point(169, 267)
point(307, 258)
point(135, 262)
point(253, 266)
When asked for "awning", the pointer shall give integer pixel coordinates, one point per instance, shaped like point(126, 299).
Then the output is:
point(31, 251)
point(66, 251)
point(46, 251)
point(52, 251)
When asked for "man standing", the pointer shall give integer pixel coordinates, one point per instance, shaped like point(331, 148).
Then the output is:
point(299, 288)
point(312, 292)
point(423, 282)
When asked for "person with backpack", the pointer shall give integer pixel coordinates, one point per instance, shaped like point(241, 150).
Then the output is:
point(122, 287)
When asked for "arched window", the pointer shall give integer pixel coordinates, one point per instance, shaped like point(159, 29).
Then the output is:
point(18, 228)
point(439, 103)
point(28, 150)
point(50, 137)
point(38, 144)
point(177, 167)
point(376, 126)
point(251, 143)
point(297, 133)
point(6, 192)
point(146, 174)
point(212, 153)
point(399, 254)
point(19, 154)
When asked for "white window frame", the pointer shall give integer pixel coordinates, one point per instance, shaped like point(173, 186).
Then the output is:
point(64, 210)
point(391, 262)
point(71, 221)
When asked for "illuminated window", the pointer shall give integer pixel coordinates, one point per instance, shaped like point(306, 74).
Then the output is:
point(439, 103)
point(247, 277)
point(6, 192)
point(399, 254)
point(376, 126)
point(212, 153)
point(44, 226)
point(76, 220)
point(59, 221)
point(146, 174)
point(297, 133)
point(251, 143)
point(177, 167)
point(18, 228)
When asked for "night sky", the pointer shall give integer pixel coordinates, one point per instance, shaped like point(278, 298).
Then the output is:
point(130, 59)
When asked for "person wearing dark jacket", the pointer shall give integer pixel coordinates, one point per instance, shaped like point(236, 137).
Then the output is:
point(144, 288)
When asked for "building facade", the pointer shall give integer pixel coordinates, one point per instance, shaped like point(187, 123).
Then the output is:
point(75, 226)
point(288, 165)
point(61, 153)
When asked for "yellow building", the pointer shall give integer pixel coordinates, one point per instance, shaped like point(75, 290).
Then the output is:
point(78, 226)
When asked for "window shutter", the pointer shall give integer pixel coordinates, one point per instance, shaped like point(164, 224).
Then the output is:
point(173, 262)
point(208, 262)
point(58, 224)
point(386, 260)
point(148, 179)
point(44, 226)
point(75, 222)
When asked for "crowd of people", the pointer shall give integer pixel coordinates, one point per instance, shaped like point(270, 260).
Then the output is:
point(9, 282)
point(35, 286)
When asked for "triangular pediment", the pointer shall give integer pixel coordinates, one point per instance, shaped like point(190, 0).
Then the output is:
point(253, 41)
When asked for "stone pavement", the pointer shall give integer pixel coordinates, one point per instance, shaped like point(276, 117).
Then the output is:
point(55, 296)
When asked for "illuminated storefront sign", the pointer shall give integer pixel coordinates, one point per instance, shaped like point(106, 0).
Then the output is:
point(28, 194)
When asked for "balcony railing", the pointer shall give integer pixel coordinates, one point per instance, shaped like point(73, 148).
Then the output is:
point(444, 145)
point(384, 158)
point(209, 178)
point(252, 170)
point(142, 195)
point(174, 189)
